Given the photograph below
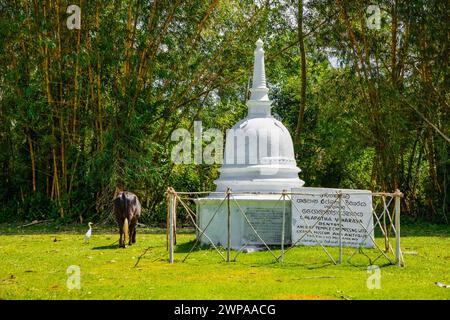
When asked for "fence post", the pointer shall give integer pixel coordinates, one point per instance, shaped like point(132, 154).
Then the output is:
point(384, 227)
point(167, 217)
point(398, 252)
point(283, 226)
point(172, 200)
point(340, 226)
point(174, 217)
point(229, 225)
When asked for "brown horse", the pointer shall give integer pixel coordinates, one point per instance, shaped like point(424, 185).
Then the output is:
point(127, 210)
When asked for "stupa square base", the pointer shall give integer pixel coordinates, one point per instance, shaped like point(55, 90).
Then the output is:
point(264, 212)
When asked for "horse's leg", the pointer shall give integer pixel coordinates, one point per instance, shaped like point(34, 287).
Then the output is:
point(121, 240)
point(132, 232)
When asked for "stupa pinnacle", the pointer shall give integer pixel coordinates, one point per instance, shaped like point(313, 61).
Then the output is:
point(259, 89)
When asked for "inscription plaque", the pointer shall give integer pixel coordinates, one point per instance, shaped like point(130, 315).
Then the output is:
point(318, 210)
point(268, 223)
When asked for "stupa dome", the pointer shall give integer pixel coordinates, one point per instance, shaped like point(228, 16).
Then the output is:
point(259, 153)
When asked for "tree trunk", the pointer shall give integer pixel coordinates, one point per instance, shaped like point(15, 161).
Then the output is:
point(301, 110)
point(33, 162)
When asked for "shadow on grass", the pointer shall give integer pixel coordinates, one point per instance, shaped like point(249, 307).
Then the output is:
point(185, 247)
point(366, 265)
point(114, 245)
point(313, 266)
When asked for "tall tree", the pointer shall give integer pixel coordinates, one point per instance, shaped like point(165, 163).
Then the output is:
point(301, 45)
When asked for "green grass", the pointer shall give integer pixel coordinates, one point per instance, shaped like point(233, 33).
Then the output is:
point(33, 266)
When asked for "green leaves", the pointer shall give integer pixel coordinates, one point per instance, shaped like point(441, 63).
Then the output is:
point(99, 108)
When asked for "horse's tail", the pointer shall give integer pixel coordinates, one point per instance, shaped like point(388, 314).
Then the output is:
point(125, 204)
point(125, 230)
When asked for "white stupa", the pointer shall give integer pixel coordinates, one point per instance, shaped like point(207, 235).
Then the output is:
point(259, 154)
point(258, 160)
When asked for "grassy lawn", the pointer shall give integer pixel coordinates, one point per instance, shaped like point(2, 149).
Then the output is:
point(34, 261)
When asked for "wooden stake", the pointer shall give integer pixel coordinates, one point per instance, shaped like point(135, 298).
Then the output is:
point(283, 226)
point(340, 227)
point(398, 252)
point(229, 225)
point(171, 214)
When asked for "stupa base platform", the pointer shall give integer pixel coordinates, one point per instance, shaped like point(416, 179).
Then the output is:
point(254, 220)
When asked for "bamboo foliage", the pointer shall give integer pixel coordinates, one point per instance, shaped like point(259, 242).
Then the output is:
point(86, 111)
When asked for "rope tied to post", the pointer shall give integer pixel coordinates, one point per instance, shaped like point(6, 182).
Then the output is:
point(398, 193)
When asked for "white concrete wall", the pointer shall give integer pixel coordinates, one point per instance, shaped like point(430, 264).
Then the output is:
point(218, 231)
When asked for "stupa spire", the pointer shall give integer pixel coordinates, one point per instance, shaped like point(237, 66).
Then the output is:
point(259, 89)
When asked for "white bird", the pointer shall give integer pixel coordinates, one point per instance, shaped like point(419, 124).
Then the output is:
point(87, 237)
